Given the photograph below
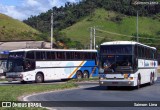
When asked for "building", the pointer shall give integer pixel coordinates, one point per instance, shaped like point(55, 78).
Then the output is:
point(5, 47)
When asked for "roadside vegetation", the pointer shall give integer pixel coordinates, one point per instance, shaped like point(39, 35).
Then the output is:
point(83, 80)
point(72, 22)
point(2, 79)
point(13, 30)
point(109, 23)
point(12, 92)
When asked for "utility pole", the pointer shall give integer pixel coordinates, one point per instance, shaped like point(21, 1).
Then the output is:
point(94, 36)
point(91, 37)
point(137, 28)
point(51, 30)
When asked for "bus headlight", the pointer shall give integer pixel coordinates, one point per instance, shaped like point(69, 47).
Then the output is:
point(102, 76)
point(130, 78)
point(125, 76)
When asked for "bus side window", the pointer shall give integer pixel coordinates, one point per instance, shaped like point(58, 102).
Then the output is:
point(41, 55)
point(53, 55)
point(135, 50)
point(29, 65)
point(38, 55)
point(48, 55)
point(30, 55)
point(60, 55)
point(82, 55)
point(77, 55)
point(69, 55)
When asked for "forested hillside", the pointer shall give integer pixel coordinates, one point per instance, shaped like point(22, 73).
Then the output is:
point(12, 29)
point(67, 18)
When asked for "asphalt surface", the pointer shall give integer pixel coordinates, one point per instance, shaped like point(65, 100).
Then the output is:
point(93, 92)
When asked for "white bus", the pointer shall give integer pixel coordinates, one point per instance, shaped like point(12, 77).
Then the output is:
point(3, 64)
point(127, 63)
point(41, 65)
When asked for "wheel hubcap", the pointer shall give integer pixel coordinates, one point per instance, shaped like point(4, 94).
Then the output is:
point(39, 78)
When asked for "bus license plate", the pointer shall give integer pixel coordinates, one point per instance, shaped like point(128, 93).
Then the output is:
point(114, 82)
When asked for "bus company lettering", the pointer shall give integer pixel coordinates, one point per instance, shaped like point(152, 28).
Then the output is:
point(27, 104)
point(140, 104)
point(34, 105)
point(145, 105)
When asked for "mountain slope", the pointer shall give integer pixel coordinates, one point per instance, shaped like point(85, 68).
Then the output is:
point(112, 22)
point(11, 29)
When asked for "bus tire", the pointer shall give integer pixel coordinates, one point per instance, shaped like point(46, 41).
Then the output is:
point(39, 78)
point(79, 75)
point(85, 74)
point(151, 79)
point(65, 79)
point(138, 82)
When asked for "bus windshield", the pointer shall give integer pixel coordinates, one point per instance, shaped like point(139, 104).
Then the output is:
point(116, 57)
point(15, 65)
point(120, 60)
point(124, 60)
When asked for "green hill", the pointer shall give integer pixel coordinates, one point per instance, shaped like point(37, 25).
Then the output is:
point(114, 23)
point(12, 29)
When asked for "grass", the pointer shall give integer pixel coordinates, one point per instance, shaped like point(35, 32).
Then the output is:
point(12, 29)
point(81, 80)
point(106, 20)
point(159, 71)
point(12, 92)
point(1, 80)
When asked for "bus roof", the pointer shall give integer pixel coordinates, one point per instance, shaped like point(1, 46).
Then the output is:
point(125, 42)
point(64, 50)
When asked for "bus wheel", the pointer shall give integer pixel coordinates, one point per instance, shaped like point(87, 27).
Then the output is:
point(85, 75)
point(151, 79)
point(138, 83)
point(39, 78)
point(79, 75)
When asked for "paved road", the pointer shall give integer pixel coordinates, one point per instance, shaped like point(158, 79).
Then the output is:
point(93, 92)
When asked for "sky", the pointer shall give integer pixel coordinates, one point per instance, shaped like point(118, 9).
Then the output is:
point(23, 9)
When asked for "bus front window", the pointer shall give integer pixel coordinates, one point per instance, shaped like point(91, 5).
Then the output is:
point(14, 65)
point(124, 60)
point(107, 61)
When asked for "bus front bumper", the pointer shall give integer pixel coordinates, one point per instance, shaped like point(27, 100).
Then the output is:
point(9, 79)
point(116, 83)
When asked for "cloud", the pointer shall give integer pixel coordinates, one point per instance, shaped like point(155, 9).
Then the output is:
point(31, 7)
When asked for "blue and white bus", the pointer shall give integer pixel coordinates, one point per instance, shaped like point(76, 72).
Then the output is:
point(41, 65)
point(3, 62)
point(127, 63)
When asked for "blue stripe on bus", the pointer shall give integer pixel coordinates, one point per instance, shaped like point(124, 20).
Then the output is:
point(89, 66)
